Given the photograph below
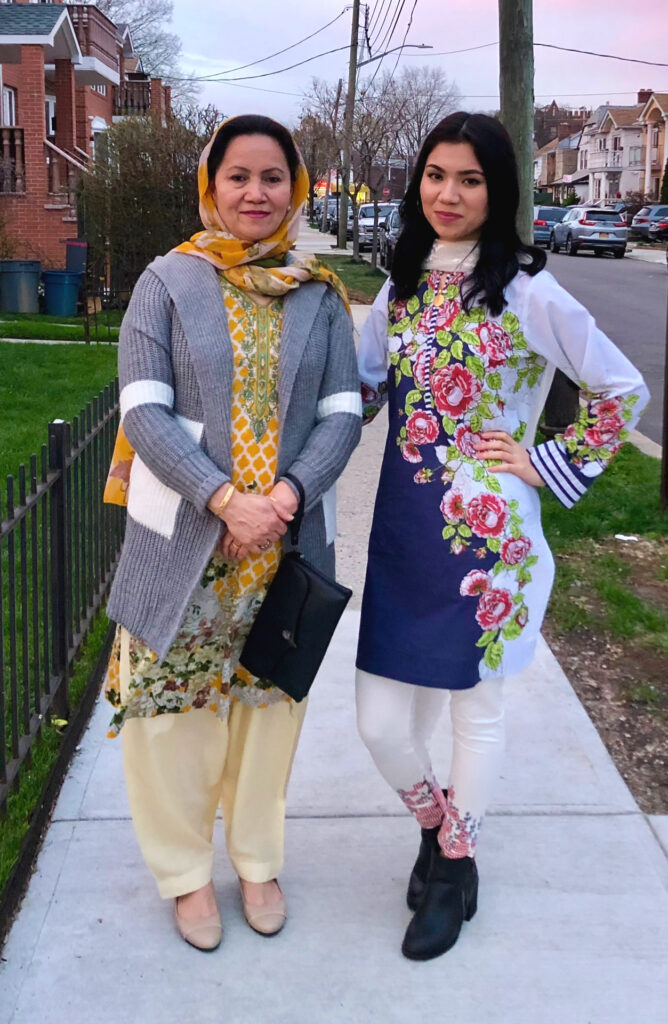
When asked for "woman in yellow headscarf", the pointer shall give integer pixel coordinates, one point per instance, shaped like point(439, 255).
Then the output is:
point(240, 401)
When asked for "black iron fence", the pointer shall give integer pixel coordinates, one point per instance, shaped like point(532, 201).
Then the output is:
point(59, 545)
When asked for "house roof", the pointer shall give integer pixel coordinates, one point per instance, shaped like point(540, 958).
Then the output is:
point(29, 19)
point(547, 148)
point(623, 117)
point(571, 141)
point(48, 25)
point(658, 98)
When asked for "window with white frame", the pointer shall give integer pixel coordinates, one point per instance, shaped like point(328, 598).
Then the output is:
point(101, 89)
point(8, 106)
point(50, 114)
point(616, 142)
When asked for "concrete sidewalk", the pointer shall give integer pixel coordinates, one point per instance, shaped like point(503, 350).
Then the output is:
point(572, 926)
point(572, 923)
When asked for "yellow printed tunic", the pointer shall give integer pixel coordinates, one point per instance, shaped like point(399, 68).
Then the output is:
point(202, 668)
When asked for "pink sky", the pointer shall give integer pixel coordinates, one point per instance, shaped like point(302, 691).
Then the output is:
point(218, 35)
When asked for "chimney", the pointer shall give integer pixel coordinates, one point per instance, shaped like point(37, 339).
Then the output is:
point(644, 95)
point(564, 130)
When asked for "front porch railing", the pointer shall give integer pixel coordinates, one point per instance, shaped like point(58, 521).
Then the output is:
point(12, 161)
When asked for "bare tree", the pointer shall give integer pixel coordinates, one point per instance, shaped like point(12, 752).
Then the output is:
point(379, 118)
point(314, 138)
point(428, 95)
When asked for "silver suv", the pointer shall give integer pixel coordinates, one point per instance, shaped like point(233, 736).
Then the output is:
point(589, 227)
point(365, 219)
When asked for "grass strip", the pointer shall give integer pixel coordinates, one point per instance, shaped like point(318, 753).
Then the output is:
point(26, 329)
point(361, 280)
point(39, 383)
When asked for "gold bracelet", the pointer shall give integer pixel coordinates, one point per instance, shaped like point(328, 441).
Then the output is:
point(221, 508)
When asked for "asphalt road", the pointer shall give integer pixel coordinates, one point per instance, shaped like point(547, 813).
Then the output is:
point(629, 299)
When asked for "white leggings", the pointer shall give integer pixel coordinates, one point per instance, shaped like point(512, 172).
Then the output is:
point(396, 721)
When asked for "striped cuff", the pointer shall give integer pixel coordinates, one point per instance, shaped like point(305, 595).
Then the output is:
point(564, 481)
point(342, 401)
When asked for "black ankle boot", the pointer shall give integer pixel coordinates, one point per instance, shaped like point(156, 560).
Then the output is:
point(450, 898)
point(418, 880)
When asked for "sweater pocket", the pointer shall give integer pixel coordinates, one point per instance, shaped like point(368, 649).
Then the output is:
point(150, 502)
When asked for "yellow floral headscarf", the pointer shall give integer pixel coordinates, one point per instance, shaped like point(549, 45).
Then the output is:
point(240, 263)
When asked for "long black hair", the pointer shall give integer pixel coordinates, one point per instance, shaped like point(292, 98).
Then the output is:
point(252, 124)
point(499, 246)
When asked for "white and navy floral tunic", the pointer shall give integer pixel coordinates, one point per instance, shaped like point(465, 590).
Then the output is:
point(459, 572)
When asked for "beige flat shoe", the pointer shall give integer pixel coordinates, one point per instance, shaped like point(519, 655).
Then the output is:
point(266, 920)
point(205, 933)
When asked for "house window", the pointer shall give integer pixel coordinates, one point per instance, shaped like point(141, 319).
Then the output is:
point(617, 142)
point(50, 113)
point(101, 89)
point(8, 106)
point(635, 155)
point(655, 136)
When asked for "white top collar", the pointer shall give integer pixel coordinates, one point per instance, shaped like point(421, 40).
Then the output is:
point(454, 256)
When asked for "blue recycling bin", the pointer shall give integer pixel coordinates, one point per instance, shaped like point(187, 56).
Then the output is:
point(61, 292)
point(19, 281)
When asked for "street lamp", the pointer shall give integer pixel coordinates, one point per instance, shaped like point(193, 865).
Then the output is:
point(348, 117)
point(406, 46)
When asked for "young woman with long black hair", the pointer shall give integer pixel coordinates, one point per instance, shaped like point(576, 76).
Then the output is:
point(463, 341)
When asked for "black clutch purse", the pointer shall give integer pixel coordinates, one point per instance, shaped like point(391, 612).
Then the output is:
point(295, 623)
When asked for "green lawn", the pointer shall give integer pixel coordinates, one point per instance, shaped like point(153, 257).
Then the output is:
point(40, 327)
point(359, 277)
point(39, 383)
point(596, 587)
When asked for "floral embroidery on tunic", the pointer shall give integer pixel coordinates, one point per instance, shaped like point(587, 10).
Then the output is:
point(455, 385)
point(599, 431)
point(202, 667)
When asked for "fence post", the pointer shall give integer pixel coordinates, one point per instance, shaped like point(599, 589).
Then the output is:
point(60, 553)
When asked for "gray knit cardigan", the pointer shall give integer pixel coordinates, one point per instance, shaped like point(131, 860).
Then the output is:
point(176, 370)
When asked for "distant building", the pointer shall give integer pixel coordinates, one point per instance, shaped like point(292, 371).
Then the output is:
point(67, 73)
point(548, 121)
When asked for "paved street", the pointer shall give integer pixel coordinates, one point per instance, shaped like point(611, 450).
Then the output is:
point(628, 299)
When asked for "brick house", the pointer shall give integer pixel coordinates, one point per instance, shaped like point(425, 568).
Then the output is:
point(66, 74)
point(549, 121)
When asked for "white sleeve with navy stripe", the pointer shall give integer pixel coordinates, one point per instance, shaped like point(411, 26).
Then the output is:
point(560, 329)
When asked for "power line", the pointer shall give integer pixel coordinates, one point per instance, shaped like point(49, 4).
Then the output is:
point(266, 74)
point(379, 28)
point(553, 46)
point(394, 19)
point(231, 71)
point(377, 11)
point(612, 56)
point(403, 41)
point(388, 39)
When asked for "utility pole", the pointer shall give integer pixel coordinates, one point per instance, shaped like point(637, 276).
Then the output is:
point(516, 88)
point(348, 125)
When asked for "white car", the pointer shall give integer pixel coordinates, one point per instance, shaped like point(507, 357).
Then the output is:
point(365, 221)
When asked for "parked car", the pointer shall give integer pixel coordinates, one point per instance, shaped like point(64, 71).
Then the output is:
point(647, 216)
point(587, 227)
point(388, 235)
point(333, 221)
point(543, 219)
point(365, 218)
point(658, 230)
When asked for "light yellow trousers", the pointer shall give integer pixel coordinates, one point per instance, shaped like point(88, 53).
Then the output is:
point(180, 767)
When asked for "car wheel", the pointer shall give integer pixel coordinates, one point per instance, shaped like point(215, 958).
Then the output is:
point(619, 254)
point(553, 244)
point(571, 247)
